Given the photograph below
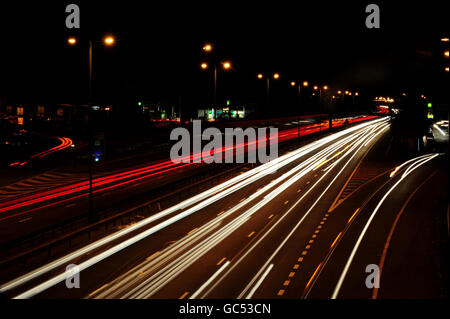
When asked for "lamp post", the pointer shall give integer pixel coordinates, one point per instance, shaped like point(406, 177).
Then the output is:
point(276, 76)
point(226, 65)
point(299, 85)
point(108, 41)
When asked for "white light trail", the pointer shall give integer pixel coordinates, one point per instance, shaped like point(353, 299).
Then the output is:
point(221, 190)
point(421, 161)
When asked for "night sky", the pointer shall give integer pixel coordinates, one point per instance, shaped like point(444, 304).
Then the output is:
point(158, 52)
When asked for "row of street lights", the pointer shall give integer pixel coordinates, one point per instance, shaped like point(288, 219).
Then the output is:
point(226, 65)
point(446, 40)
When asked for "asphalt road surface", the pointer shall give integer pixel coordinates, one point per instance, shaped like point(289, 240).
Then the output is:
point(305, 225)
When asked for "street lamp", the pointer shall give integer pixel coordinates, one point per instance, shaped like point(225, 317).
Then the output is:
point(299, 85)
point(207, 47)
point(226, 65)
point(72, 40)
point(275, 76)
point(109, 41)
point(317, 88)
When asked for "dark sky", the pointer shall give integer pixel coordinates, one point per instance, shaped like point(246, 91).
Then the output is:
point(158, 52)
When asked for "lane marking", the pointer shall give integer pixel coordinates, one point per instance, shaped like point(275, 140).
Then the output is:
point(391, 232)
point(184, 295)
point(71, 205)
point(251, 234)
point(192, 231)
point(419, 161)
point(353, 216)
point(150, 257)
point(270, 216)
point(281, 292)
point(97, 290)
point(334, 242)
point(313, 275)
point(26, 219)
point(221, 261)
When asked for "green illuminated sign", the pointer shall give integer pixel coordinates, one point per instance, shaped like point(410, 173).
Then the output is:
point(228, 102)
point(139, 103)
point(429, 105)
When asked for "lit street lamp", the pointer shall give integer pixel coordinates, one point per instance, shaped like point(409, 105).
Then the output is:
point(275, 76)
point(109, 41)
point(226, 65)
point(299, 85)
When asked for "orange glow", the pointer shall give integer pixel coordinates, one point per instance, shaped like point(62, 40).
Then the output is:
point(445, 39)
point(316, 87)
point(276, 76)
point(446, 53)
point(292, 83)
point(72, 40)
point(204, 65)
point(305, 83)
point(346, 92)
point(356, 94)
point(227, 65)
point(446, 69)
point(207, 48)
point(109, 40)
point(260, 76)
point(325, 87)
point(339, 92)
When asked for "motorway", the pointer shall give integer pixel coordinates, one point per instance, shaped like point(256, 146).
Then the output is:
point(304, 225)
point(63, 199)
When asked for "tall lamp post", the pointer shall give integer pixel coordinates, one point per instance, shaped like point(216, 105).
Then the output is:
point(275, 76)
point(108, 41)
point(299, 85)
point(226, 65)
